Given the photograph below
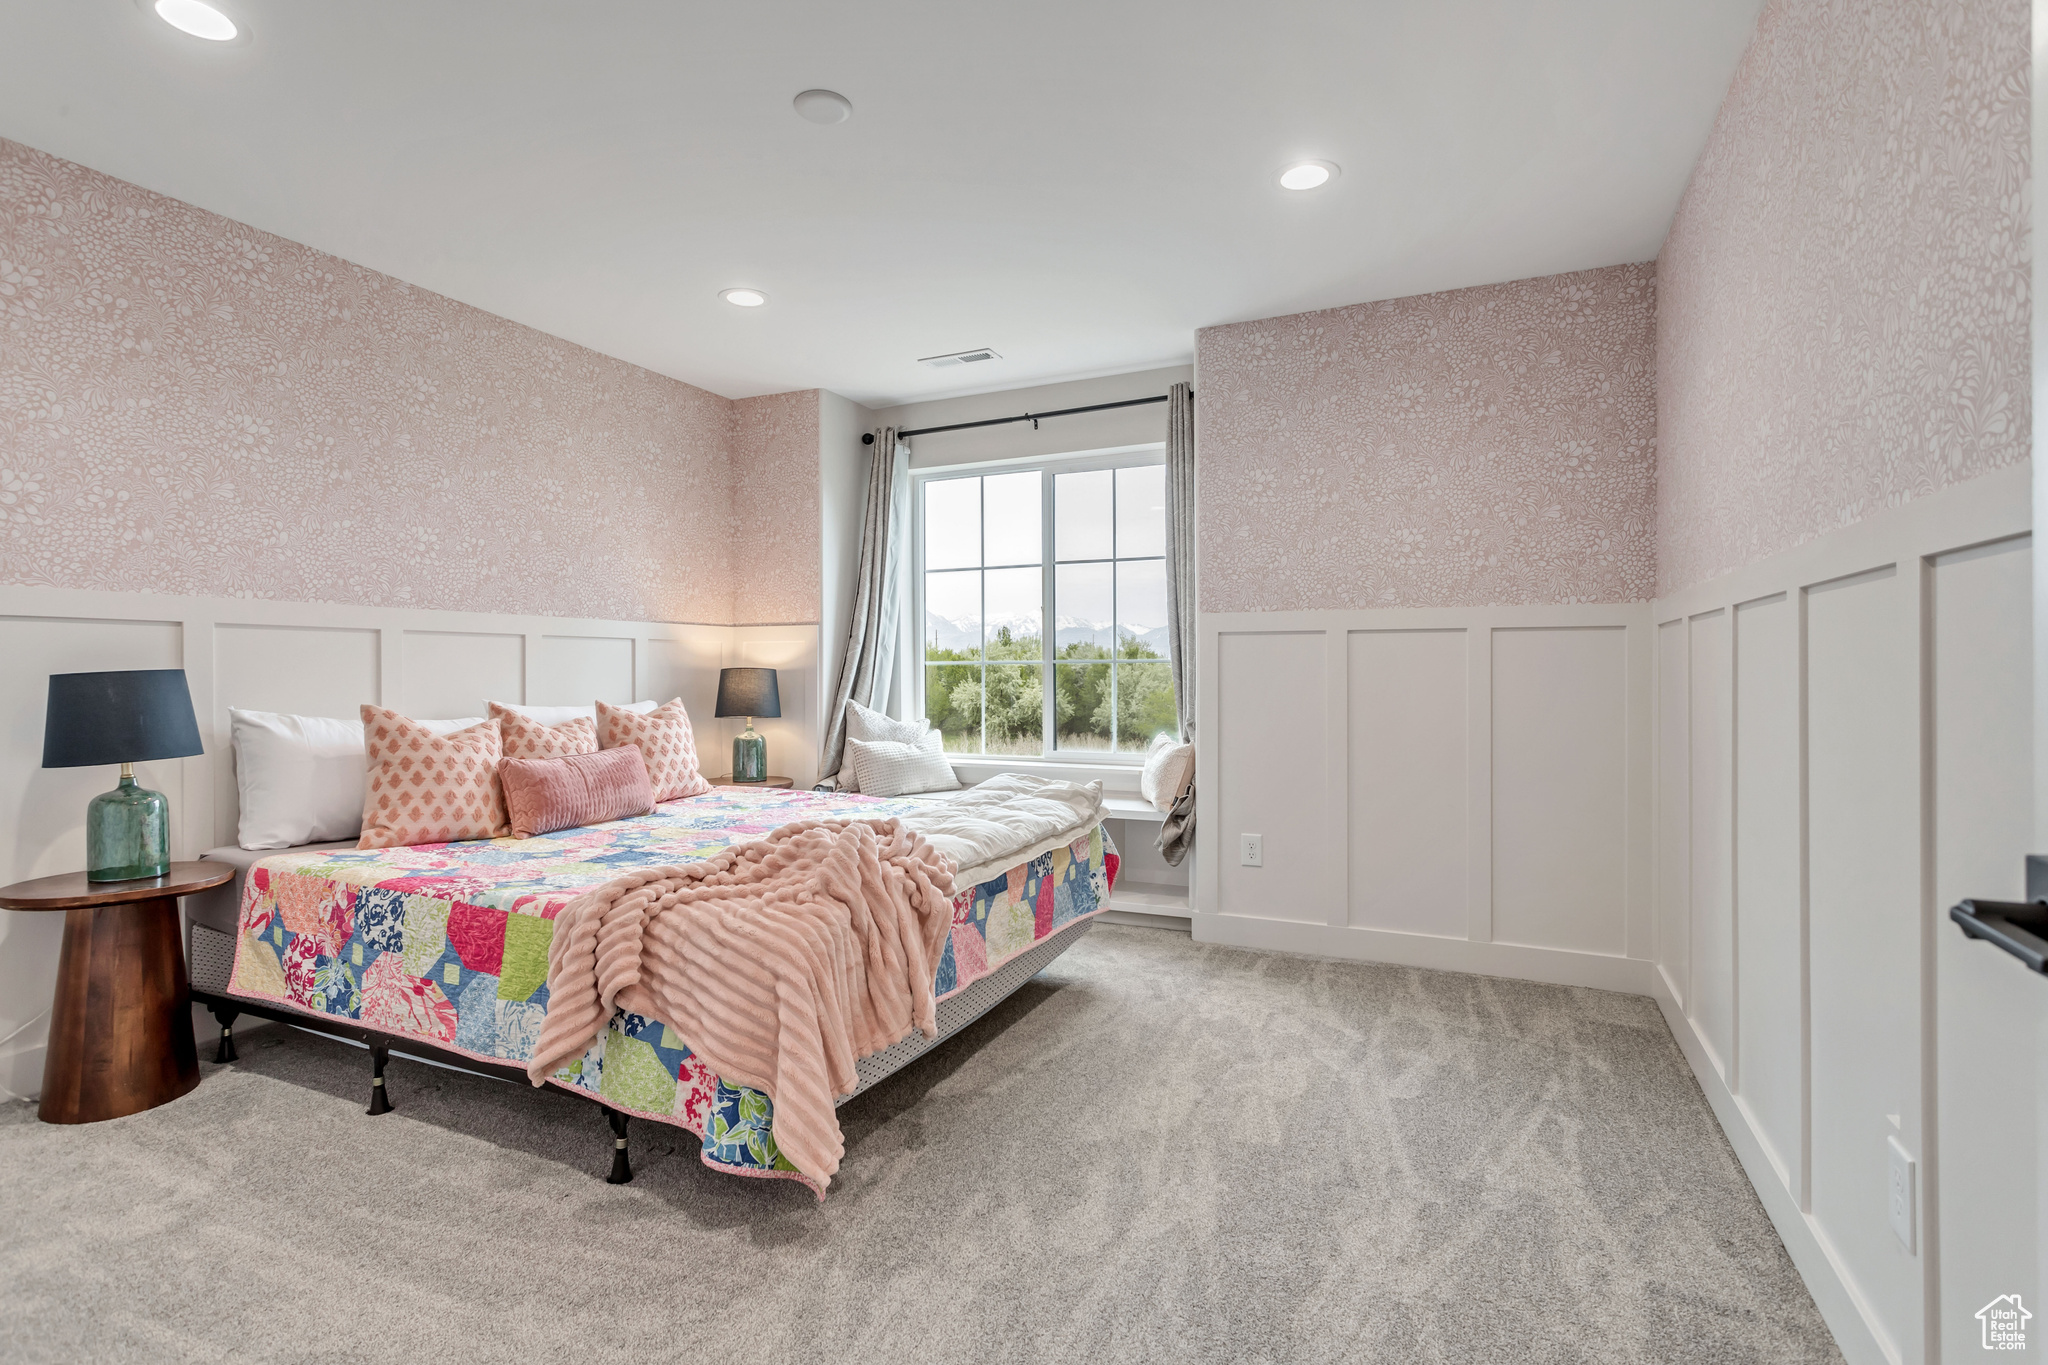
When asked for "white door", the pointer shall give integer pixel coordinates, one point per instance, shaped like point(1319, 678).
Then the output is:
point(1990, 1009)
point(1989, 617)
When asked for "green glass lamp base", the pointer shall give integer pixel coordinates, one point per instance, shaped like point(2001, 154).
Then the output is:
point(127, 833)
point(750, 756)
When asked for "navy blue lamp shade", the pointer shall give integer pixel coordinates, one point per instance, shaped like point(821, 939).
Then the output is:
point(127, 717)
point(749, 692)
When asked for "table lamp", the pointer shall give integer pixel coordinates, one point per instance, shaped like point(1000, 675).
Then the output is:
point(129, 717)
point(749, 692)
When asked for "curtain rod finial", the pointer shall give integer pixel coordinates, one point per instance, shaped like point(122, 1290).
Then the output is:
point(867, 438)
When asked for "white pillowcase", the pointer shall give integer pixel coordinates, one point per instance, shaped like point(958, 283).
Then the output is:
point(1169, 767)
point(870, 726)
point(555, 715)
point(887, 768)
point(301, 778)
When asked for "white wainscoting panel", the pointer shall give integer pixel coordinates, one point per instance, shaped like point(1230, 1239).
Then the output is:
point(453, 673)
point(684, 663)
point(1273, 778)
point(1863, 857)
point(1410, 782)
point(1710, 876)
point(575, 670)
point(1770, 884)
point(1843, 751)
point(1560, 788)
point(1674, 807)
point(1464, 788)
point(316, 659)
point(299, 670)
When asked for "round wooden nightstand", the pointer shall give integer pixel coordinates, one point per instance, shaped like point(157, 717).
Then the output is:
point(727, 781)
point(121, 1028)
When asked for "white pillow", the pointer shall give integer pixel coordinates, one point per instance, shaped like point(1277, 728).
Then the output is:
point(869, 726)
point(301, 778)
point(931, 742)
point(887, 768)
point(555, 715)
point(1169, 767)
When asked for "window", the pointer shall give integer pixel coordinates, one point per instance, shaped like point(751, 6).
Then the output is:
point(1080, 543)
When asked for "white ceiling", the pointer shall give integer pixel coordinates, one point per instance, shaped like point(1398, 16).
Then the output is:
point(1078, 184)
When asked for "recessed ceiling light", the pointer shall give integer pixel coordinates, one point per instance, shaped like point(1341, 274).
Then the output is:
point(197, 18)
point(824, 106)
point(1307, 175)
point(744, 298)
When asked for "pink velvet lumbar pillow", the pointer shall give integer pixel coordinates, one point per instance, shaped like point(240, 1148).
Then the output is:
point(427, 788)
point(526, 737)
point(664, 738)
point(546, 794)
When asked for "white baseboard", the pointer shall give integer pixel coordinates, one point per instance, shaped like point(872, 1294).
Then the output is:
point(1139, 919)
point(1144, 899)
point(1554, 966)
point(1841, 1307)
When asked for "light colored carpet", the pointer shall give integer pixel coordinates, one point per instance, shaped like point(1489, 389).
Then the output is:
point(1157, 1151)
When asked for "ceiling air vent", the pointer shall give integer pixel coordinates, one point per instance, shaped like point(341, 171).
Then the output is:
point(944, 362)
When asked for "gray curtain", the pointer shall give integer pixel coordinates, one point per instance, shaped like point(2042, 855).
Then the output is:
point(1177, 831)
point(871, 639)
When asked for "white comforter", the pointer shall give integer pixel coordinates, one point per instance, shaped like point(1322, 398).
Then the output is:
point(1006, 820)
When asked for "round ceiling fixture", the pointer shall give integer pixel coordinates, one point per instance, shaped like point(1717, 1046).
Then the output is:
point(197, 18)
point(1308, 175)
point(743, 298)
point(823, 106)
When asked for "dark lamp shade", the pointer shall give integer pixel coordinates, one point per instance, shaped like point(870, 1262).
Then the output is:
point(748, 692)
point(127, 717)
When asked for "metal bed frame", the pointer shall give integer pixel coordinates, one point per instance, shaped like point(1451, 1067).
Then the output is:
point(212, 955)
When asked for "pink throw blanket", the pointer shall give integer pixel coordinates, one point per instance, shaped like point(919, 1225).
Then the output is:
point(780, 963)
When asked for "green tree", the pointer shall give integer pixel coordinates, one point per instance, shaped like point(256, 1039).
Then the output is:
point(1083, 696)
point(952, 697)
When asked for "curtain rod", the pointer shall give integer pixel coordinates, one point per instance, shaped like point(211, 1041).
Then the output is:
point(1032, 417)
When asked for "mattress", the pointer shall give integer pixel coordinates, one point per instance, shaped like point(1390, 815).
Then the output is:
point(449, 943)
point(220, 908)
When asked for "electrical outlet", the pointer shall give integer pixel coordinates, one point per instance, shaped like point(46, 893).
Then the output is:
point(1251, 850)
point(1899, 1192)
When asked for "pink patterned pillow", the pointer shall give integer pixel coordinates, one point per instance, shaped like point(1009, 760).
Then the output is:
point(425, 788)
point(526, 737)
point(544, 794)
point(665, 742)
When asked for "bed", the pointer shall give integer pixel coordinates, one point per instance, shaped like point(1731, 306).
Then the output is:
point(440, 951)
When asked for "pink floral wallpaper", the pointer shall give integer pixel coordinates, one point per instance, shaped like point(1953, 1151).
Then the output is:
point(191, 406)
point(777, 509)
point(1482, 446)
point(1842, 324)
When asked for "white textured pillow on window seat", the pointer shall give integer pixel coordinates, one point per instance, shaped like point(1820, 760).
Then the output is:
point(1169, 767)
point(887, 768)
point(870, 726)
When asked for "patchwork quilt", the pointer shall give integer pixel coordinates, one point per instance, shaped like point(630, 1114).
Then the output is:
point(449, 942)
